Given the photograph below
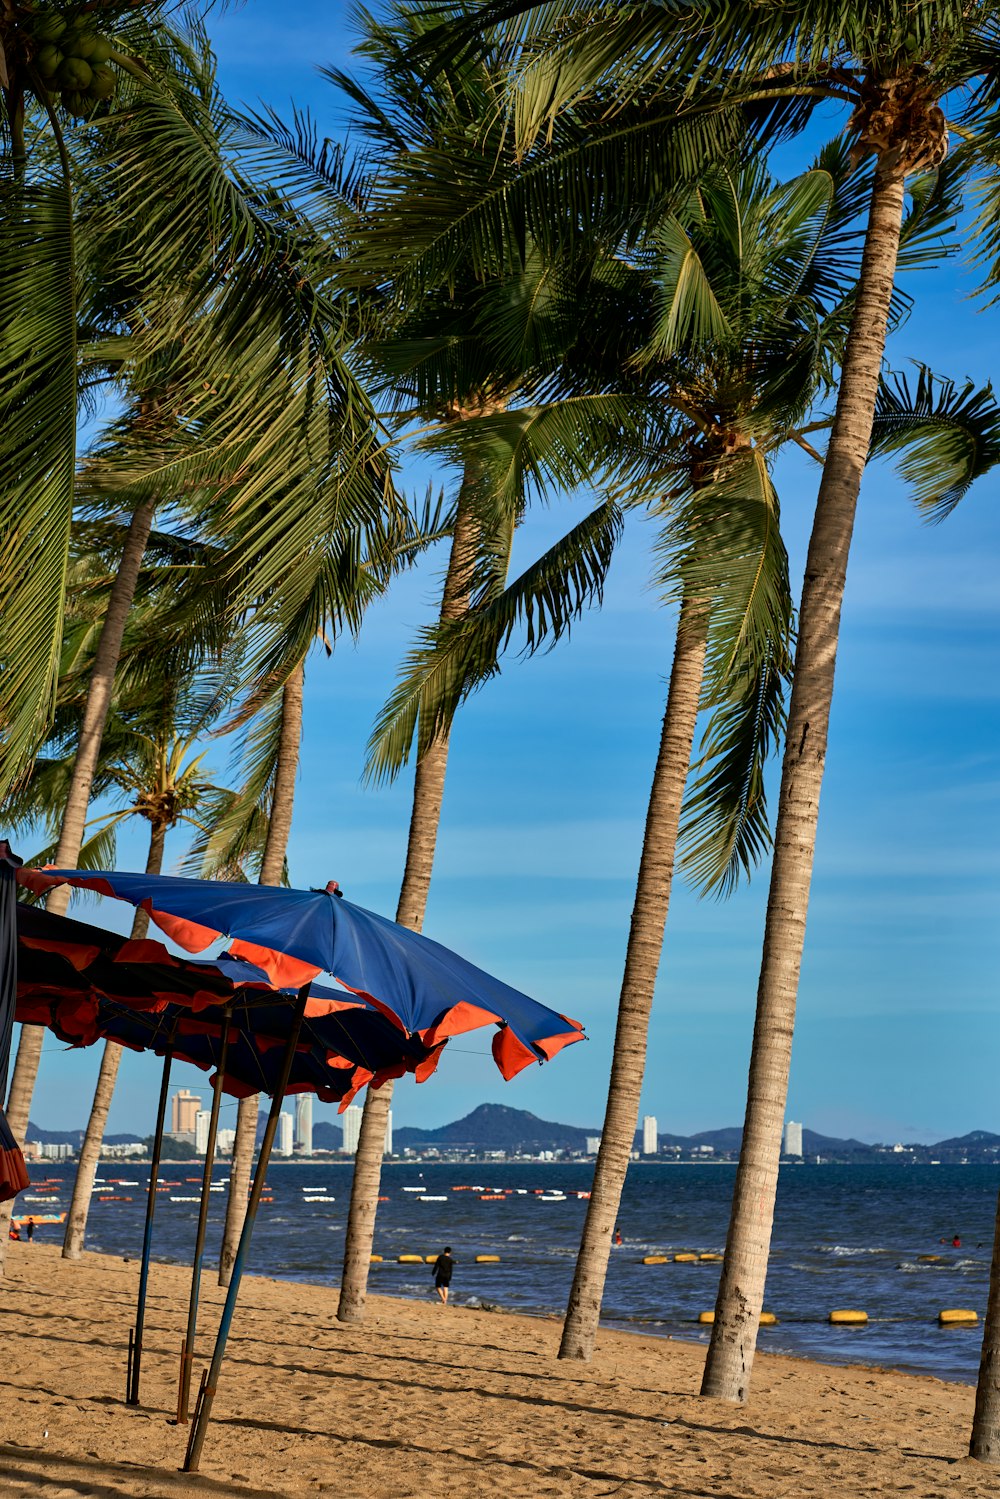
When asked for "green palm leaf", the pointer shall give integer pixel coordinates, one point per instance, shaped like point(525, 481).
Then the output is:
point(37, 452)
point(449, 661)
point(944, 436)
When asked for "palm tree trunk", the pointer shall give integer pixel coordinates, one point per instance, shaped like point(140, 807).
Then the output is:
point(425, 818)
point(95, 716)
point(741, 1288)
point(272, 868)
point(90, 1150)
point(642, 961)
point(985, 1443)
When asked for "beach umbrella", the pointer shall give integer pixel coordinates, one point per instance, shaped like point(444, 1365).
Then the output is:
point(86, 984)
point(294, 935)
point(430, 992)
point(13, 1174)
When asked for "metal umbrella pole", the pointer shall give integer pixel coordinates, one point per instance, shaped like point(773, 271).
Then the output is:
point(210, 1380)
point(187, 1347)
point(135, 1337)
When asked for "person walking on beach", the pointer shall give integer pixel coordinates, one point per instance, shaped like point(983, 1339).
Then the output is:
point(31, 1229)
point(443, 1266)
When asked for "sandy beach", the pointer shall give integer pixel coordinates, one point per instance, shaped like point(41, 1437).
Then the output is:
point(428, 1401)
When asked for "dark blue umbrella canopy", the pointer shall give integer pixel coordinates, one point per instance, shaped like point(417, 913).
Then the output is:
point(293, 935)
point(87, 985)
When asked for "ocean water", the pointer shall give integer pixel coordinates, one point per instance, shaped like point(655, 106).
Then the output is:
point(844, 1236)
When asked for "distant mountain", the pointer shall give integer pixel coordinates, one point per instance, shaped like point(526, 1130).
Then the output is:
point(826, 1145)
point(494, 1126)
point(719, 1139)
point(74, 1137)
point(977, 1139)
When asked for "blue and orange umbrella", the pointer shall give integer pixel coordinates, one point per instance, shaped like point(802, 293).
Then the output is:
point(86, 985)
point(294, 935)
point(424, 990)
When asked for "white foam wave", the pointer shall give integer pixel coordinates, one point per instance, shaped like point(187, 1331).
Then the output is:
point(846, 1250)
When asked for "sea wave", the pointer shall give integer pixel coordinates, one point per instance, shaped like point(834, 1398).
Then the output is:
point(845, 1250)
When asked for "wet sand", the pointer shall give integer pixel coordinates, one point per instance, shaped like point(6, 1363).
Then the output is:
point(427, 1401)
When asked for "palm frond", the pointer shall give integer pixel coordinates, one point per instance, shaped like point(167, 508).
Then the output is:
point(944, 436)
point(37, 453)
point(450, 660)
point(725, 551)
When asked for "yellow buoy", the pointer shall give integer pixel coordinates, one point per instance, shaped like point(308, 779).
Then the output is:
point(376, 1259)
point(928, 1259)
point(847, 1318)
point(656, 1259)
point(956, 1316)
point(409, 1259)
point(487, 1259)
point(707, 1318)
point(685, 1259)
point(430, 1259)
point(712, 1258)
point(768, 1319)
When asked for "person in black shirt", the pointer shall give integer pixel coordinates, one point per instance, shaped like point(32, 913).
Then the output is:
point(443, 1266)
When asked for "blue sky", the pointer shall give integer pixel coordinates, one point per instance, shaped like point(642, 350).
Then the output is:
point(897, 1035)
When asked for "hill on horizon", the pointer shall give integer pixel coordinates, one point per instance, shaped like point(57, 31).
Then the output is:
point(495, 1126)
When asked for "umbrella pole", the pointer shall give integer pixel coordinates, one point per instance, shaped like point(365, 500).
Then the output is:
point(187, 1355)
point(132, 1398)
point(206, 1396)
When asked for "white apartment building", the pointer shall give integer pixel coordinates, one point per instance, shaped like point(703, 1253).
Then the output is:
point(649, 1142)
point(793, 1138)
point(286, 1134)
point(351, 1123)
point(304, 1123)
point(201, 1123)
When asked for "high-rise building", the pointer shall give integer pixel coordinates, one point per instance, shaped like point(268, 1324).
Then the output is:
point(304, 1123)
point(649, 1141)
point(184, 1107)
point(286, 1133)
point(351, 1121)
point(201, 1121)
point(388, 1133)
point(225, 1138)
point(793, 1138)
point(593, 1144)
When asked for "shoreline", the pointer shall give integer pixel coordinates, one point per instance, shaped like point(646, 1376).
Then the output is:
point(427, 1401)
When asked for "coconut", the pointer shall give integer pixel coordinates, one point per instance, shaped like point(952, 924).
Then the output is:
point(85, 44)
point(101, 51)
point(49, 27)
point(74, 102)
point(103, 85)
point(75, 73)
point(48, 59)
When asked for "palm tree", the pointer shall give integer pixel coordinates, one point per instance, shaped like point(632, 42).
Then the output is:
point(255, 416)
point(894, 67)
point(430, 359)
point(272, 872)
point(719, 322)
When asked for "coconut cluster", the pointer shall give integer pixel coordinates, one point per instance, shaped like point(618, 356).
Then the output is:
point(73, 60)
